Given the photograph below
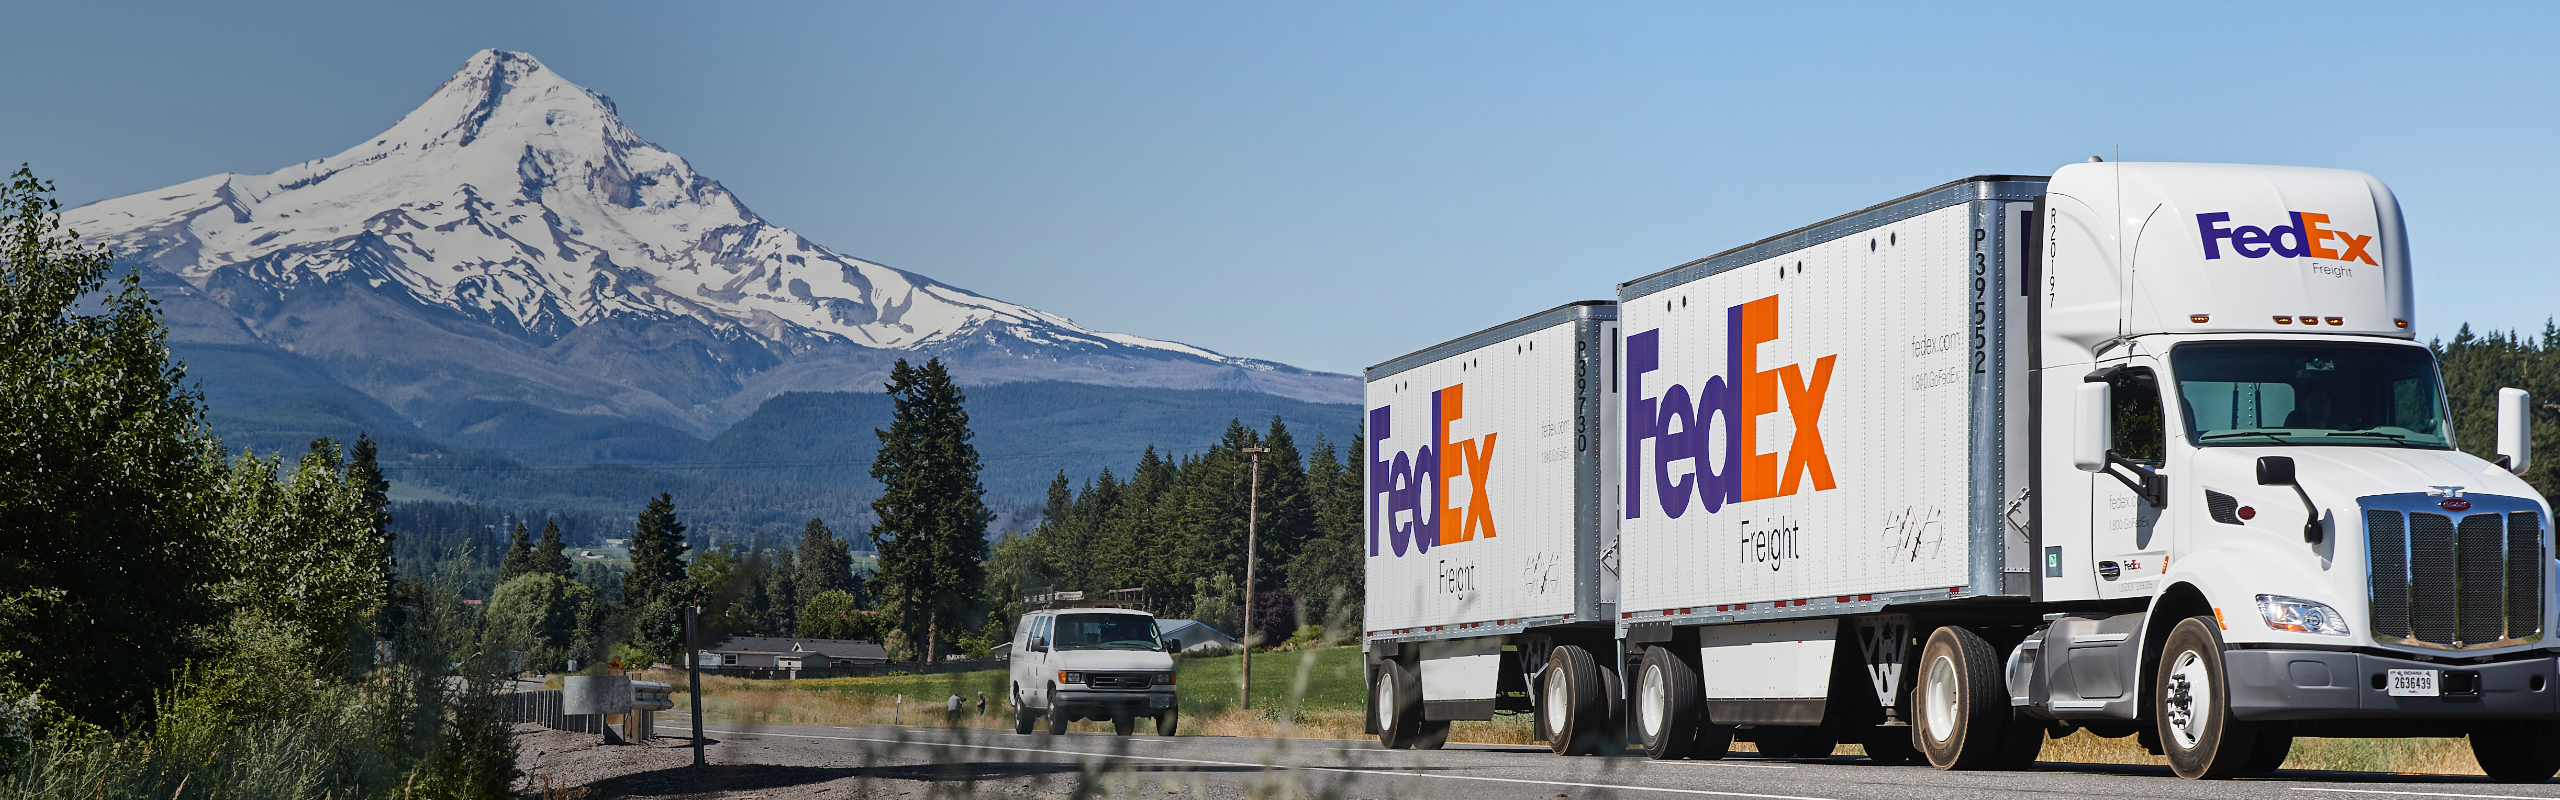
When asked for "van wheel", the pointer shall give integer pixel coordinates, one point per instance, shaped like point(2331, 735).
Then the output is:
point(2517, 751)
point(1576, 711)
point(1021, 715)
point(1168, 721)
point(1667, 707)
point(2192, 701)
point(1961, 705)
point(1123, 723)
point(1057, 715)
point(1399, 706)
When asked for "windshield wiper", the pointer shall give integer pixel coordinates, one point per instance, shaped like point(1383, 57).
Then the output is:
point(2391, 436)
point(2229, 434)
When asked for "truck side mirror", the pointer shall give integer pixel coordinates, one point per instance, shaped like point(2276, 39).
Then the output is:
point(2278, 471)
point(2089, 426)
point(2515, 430)
point(2275, 471)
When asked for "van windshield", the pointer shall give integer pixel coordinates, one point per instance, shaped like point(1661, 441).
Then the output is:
point(2310, 393)
point(1107, 632)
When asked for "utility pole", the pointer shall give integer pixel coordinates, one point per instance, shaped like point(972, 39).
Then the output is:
point(1252, 534)
point(693, 674)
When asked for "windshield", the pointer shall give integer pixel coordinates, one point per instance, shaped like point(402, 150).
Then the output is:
point(2310, 393)
point(1107, 632)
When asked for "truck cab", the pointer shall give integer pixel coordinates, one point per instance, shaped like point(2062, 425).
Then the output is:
point(2262, 520)
point(1092, 663)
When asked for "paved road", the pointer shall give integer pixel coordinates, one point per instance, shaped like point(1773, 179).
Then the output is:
point(981, 762)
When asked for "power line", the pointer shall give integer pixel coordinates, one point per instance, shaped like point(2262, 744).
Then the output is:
point(722, 465)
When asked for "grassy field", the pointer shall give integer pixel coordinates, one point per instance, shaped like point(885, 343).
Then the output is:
point(1328, 706)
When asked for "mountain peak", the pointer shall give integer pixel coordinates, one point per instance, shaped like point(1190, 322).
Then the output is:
point(469, 100)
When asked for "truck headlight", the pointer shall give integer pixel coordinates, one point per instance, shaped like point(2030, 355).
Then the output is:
point(1070, 677)
point(2299, 615)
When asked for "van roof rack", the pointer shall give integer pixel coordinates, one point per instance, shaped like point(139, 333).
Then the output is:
point(1134, 599)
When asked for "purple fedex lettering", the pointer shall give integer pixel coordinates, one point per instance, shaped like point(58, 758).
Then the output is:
point(1410, 521)
point(1651, 418)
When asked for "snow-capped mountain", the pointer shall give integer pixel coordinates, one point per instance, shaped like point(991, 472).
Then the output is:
point(615, 278)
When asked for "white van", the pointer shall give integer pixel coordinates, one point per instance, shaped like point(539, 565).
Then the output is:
point(1092, 663)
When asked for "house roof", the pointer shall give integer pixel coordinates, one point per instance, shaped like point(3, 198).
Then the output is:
point(778, 645)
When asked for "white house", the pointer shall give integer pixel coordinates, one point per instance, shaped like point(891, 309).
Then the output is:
point(1188, 635)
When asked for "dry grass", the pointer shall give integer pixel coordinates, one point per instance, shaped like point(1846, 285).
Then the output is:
point(739, 701)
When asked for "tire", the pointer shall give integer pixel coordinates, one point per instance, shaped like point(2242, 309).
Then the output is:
point(1433, 735)
point(1124, 723)
point(2191, 700)
point(1960, 708)
point(1891, 746)
point(1666, 707)
point(1577, 712)
point(1713, 741)
point(2517, 751)
point(1168, 721)
point(1791, 741)
point(1057, 714)
point(1022, 715)
point(2274, 744)
point(1398, 699)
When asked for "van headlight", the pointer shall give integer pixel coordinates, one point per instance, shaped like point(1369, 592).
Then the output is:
point(1070, 677)
point(1168, 678)
point(2301, 616)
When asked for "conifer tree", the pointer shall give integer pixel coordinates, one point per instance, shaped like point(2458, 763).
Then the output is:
point(519, 556)
point(551, 555)
point(781, 592)
point(932, 510)
point(364, 469)
point(1326, 572)
point(657, 553)
point(825, 563)
point(1288, 518)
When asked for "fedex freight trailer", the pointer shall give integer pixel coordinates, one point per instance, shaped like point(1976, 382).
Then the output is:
point(2144, 449)
point(1488, 537)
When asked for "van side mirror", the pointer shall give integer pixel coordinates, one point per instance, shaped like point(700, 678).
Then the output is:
point(2089, 421)
point(1039, 643)
point(2515, 430)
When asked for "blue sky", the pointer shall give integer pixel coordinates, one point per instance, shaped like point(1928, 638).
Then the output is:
point(1334, 185)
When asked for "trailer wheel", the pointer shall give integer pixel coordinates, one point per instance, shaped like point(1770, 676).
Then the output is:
point(2517, 751)
point(2192, 701)
point(1577, 713)
point(1399, 707)
point(1961, 705)
point(1666, 705)
point(1890, 745)
point(1433, 735)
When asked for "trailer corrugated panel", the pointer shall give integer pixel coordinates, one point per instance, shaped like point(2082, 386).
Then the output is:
point(1484, 480)
point(1815, 421)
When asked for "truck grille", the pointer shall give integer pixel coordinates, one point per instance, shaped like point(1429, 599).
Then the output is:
point(2454, 581)
point(1119, 680)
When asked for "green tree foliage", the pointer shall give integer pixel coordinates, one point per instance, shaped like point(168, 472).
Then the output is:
point(932, 511)
point(779, 610)
point(303, 552)
point(104, 472)
point(2476, 366)
point(519, 555)
point(833, 615)
point(657, 552)
point(824, 561)
point(550, 554)
point(1327, 572)
point(538, 614)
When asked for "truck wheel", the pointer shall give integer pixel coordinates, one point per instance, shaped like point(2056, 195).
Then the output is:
point(2517, 751)
point(1021, 715)
point(1399, 707)
point(1961, 704)
point(1576, 712)
point(1666, 707)
point(2274, 744)
point(2192, 701)
point(1168, 722)
point(1433, 735)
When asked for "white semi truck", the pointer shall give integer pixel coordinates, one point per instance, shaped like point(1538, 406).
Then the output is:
point(2143, 449)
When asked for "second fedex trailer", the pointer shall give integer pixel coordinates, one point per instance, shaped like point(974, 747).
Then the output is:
point(2142, 449)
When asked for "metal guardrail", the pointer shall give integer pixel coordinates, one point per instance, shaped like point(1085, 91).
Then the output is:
point(549, 708)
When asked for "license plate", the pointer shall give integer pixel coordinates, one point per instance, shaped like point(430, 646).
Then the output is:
point(2415, 683)
point(1161, 701)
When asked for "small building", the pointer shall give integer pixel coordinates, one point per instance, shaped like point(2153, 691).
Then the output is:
point(1188, 635)
point(787, 658)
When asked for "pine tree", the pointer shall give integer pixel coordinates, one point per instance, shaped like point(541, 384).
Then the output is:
point(826, 563)
point(519, 556)
point(1326, 572)
point(932, 510)
point(1288, 518)
point(781, 593)
point(550, 555)
point(657, 553)
point(364, 469)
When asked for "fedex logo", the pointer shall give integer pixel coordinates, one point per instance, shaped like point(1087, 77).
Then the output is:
point(2305, 237)
point(1680, 420)
point(1410, 520)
